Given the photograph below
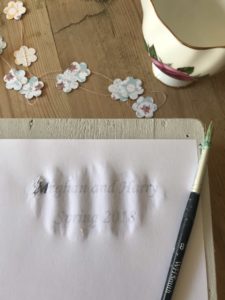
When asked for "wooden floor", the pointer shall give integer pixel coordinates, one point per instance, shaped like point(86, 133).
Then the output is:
point(108, 36)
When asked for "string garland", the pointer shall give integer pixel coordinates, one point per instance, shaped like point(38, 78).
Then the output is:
point(31, 86)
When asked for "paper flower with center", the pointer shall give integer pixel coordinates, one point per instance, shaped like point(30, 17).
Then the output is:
point(25, 56)
point(14, 10)
point(80, 71)
point(15, 79)
point(75, 73)
point(2, 44)
point(117, 90)
point(66, 82)
point(33, 88)
point(145, 107)
point(122, 90)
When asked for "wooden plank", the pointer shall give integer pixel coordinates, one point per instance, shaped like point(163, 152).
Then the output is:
point(117, 129)
point(34, 30)
point(95, 32)
point(63, 31)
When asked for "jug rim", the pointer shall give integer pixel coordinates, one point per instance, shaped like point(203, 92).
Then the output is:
point(178, 38)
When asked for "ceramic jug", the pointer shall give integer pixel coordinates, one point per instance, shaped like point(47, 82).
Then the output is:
point(185, 39)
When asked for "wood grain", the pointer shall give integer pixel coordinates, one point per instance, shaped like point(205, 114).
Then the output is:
point(108, 36)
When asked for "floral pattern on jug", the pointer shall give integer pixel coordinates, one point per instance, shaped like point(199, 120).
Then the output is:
point(183, 73)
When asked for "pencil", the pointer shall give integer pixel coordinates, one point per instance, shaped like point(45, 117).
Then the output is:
point(188, 219)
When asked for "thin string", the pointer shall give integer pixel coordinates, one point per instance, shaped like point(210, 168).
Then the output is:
point(102, 75)
point(60, 71)
point(85, 89)
point(33, 102)
point(94, 93)
point(49, 73)
point(164, 95)
point(93, 72)
point(6, 62)
point(80, 87)
point(21, 31)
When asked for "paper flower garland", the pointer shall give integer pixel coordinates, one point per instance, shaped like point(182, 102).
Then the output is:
point(25, 56)
point(14, 10)
point(80, 71)
point(131, 88)
point(33, 88)
point(122, 90)
point(2, 44)
point(145, 107)
point(69, 80)
point(17, 80)
point(66, 82)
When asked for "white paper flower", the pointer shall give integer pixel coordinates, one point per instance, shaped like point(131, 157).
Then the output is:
point(15, 79)
point(75, 73)
point(145, 107)
point(2, 44)
point(25, 56)
point(67, 81)
point(130, 88)
point(14, 10)
point(117, 90)
point(80, 71)
point(33, 88)
point(133, 87)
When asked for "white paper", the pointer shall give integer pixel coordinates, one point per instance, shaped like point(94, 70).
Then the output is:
point(103, 222)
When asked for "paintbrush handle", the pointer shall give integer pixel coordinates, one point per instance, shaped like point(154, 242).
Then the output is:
point(181, 244)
